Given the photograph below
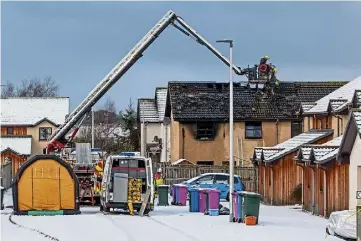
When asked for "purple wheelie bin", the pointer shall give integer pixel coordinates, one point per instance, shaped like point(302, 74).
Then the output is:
point(235, 204)
point(213, 202)
point(202, 200)
point(182, 195)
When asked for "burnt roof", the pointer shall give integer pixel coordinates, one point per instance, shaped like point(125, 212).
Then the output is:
point(191, 101)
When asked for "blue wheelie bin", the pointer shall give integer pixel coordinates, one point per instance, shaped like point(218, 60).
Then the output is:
point(193, 200)
point(174, 194)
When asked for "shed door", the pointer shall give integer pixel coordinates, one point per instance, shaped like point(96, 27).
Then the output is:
point(46, 188)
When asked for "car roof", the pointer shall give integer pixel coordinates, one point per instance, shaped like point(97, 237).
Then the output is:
point(217, 173)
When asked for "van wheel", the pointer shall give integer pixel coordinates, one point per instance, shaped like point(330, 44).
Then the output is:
point(227, 197)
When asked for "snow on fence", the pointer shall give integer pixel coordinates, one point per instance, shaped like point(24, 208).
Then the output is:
point(177, 174)
point(6, 175)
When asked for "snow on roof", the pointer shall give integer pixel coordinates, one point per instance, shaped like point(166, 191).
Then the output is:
point(148, 110)
point(338, 104)
point(161, 98)
point(307, 105)
point(153, 110)
point(177, 162)
point(345, 92)
point(358, 96)
point(270, 154)
point(20, 145)
point(30, 111)
point(321, 153)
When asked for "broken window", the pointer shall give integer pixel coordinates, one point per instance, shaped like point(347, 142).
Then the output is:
point(296, 128)
point(254, 130)
point(205, 131)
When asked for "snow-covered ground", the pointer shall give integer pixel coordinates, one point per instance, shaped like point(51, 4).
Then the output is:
point(165, 223)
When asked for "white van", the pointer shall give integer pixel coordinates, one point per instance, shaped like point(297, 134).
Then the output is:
point(117, 172)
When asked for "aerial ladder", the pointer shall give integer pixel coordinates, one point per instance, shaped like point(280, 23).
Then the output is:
point(58, 140)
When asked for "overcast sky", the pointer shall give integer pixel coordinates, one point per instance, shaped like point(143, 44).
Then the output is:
point(78, 43)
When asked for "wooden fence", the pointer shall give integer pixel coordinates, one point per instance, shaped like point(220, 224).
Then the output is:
point(177, 174)
point(6, 175)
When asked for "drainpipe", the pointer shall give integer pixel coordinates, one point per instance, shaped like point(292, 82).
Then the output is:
point(271, 185)
point(183, 135)
point(313, 190)
point(264, 180)
point(277, 131)
point(325, 193)
point(302, 181)
point(314, 116)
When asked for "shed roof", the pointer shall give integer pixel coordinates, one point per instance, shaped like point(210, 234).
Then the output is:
point(21, 145)
point(191, 101)
point(320, 153)
point(345, 93)
point(269, 154)
point(31, 111)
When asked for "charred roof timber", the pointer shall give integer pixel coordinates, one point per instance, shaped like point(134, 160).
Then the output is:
point(194, 101)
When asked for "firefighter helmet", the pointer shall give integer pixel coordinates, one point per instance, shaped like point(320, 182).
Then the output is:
point(266, 57)
point(275, 70)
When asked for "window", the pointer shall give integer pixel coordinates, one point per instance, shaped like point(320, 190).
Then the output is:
point(205, 130)
point(296, 128)
point(254, 130)
point(206, 180)
point(44, 133)
point(10, 131)
point(235, 180)
point(221, 179)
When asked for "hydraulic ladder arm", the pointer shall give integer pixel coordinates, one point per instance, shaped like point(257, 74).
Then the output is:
point(57, 139)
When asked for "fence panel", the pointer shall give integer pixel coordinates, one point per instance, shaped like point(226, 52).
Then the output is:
point(177, 174)
point(6, 174)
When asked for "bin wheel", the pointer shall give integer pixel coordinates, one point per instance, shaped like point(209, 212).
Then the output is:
point(101, 208)
point(227, 197)
point(239, 220)
point(234, 219)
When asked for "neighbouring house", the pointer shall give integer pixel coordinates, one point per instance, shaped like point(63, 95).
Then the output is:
point(278, 173)
point(350, 153)
point(154, 127)
point(26, 124)
point(325, 186)
point(199, 116)
point(332, 111)
point(15, 149)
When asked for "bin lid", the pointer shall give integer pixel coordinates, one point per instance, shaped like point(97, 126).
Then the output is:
point(246, 193)
point(163, 185)
point(213, 190)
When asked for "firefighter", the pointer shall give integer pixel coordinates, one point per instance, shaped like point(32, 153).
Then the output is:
point(264, 60)
point(158, 180)
point(98, 173)
point(264, 68)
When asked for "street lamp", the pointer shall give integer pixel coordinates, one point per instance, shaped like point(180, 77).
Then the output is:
point(231, 162)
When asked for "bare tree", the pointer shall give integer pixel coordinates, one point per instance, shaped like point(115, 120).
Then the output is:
point(35, 87)
point(107, 129)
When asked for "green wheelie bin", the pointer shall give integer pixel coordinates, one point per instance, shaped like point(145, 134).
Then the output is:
point(250, 204)
point(163, 195)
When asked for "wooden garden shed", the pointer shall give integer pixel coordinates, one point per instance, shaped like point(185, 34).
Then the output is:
point(325, 181)
point(278, 173)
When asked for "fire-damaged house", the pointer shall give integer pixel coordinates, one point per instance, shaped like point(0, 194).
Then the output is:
point(199, 116)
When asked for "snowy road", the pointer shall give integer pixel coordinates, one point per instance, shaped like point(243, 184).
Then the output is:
point(166, 223)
